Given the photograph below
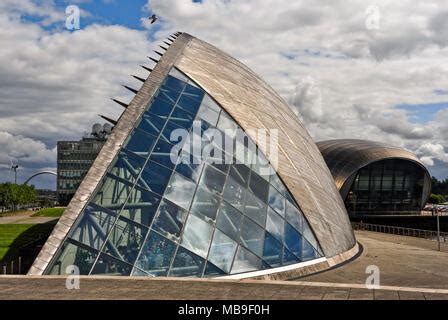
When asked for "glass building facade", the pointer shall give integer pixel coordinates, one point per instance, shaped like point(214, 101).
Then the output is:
point(388, 187)
point(74, 159)
point(162, 211)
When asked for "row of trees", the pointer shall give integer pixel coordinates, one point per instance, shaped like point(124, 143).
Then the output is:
point(439, 191)
point(14, 195)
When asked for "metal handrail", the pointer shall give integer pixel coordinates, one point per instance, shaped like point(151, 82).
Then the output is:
point(402, 231)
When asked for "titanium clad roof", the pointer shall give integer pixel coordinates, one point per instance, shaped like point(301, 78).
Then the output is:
point(346, 156)
point(254, 104)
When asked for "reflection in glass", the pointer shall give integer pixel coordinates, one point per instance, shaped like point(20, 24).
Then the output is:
point(275, 225)
point(213, 179)
point(197, 236)
point(180, 191)
point(187, 264)
point(273, 251)
point(245, 262)
point(229, 221)
point(125, 240)
point(140, 143)
point(141, 206)
point(235, 194)
point(206, 204)
point(293, 240)
point(73, 255)
point(154, 177)
point(276, 201)
point(222, 251)
point(107, 265)
point(255, 209)
point(252, 237)
point(170, 220)
point(294, 216)
point(156, 255)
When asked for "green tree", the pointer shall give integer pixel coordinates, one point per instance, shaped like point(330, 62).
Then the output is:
point(436, 198)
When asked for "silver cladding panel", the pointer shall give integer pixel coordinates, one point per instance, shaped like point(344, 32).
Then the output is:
point(253, 104)
point(345, 157)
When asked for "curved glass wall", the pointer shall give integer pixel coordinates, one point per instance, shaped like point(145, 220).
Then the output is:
point(390, 186)
point(170, 206)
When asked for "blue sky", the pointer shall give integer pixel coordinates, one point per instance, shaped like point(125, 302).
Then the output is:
point(423, 113)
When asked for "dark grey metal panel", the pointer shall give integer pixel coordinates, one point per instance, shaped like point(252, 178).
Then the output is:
point(345, 157)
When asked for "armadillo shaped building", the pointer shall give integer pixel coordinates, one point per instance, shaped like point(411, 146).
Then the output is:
point(156, 204)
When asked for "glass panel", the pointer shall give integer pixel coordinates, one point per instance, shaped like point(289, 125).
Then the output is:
point(107, 265)
point(141, 206)
point(180, 191)
point(293, 240)
point(156, 255)
point(273, 251)
point(193, 92)
point(171, 132)
point(161, 108)
point(259, 186)
point(252, 237)
point(255, 209)
point(276, 201)
point(190, 170)
point(240, 173)
point(235, 194)
point(289, 258)
point(94, 226)
point(174, 83)
point(187, 264)
point(207, 114)
point(308, 234)
point(75, 255)
point(227, 125)
point(294, 216)
point(169, 95)
point(308, 252)
point(275, 225)
point(189, 104)
point(213, 179)
point(206, 204)
point(113, 193)
point(277, 183)
point(210, 103)
point(140, 143)
point(154, 177)
point(213, 271)
point(125, 240)
point(164, 154)
point(245, 262)
point(182, 118)
point(229, 221)
point(127, 166)
point(197, 236)
point(170, 220)
point(152, 124)
point(222, 251)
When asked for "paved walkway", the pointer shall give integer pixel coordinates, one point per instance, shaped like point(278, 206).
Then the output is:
point(26, 218)
point(402, 261)
point(410, 269)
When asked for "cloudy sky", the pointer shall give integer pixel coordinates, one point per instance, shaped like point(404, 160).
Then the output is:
point(349, 69)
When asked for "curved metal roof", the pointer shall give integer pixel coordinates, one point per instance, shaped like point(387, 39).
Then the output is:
point(253, 104)
point(344, 157)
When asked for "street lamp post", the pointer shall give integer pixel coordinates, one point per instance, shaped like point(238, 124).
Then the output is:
point(438, 229)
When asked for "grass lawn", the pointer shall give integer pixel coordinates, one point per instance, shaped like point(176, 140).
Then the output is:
point(15, 236)
point(49, 212)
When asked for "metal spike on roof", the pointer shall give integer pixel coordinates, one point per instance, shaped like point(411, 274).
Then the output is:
point(167, 43)
point(152, 59)
point(120, 103)
point(163, 47)
point(146, 68)
point(159, 53)
point(114, 122)
point(139, 79)
point(131, 89)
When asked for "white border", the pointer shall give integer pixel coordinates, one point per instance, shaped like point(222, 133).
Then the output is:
point(273, 270)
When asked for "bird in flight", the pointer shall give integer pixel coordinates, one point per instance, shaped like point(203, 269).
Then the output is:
point(153, 18)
